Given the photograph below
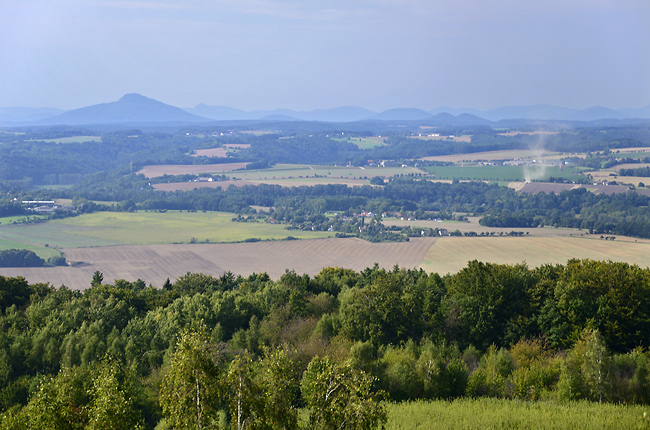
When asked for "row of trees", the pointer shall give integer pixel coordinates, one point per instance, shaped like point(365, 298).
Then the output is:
point(625, 214)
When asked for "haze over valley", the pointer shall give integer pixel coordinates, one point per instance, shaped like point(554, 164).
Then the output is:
point(274, 214)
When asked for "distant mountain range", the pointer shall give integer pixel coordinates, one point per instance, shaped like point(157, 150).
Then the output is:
point(137, 109)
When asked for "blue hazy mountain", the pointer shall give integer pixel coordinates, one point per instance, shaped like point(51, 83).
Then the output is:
point(402, 114)
point(130, 109)
point(137, 109)
point(595, 113)
point(643, 112)
point(549, 112)
point(339, 114)
point(20, 115)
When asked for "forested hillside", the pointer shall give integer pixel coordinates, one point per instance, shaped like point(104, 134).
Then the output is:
point(231, 349)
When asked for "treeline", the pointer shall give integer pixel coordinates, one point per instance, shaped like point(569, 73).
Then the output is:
point(625, 214)
point(642, 171)
point(305, 207)
point(556, 332)
point(26, 159)
point(26, 258)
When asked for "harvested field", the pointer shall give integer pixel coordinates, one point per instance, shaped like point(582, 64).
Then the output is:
point(451, 254)
point(298, 182)
point(530, 133)
point(155, 263)
point(631, 166)
point(212, 152)
point(628, 150)
point(186, 186)
point(492, 155)
point(154, 171)
point(547, 187)
point(539, 187)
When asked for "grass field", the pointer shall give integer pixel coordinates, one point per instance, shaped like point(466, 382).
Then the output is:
point(41, 251)
point(301, 171)
point(118, 228)
point(281, 174)
point(451, 254)
point(512, 154)
point(503, 173)
point(20, 219)
point(364, 142)
point(488, 413)
point(177, 227)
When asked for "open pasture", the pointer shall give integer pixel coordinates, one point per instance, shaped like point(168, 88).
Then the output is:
point(154, 171)
point(43, 237)
point(211, 152)
point(155, 263)
point(636, 155)
point(300, 171)
point(618, 167)
point(513, 154)
point(487, 413)
point(313, 181)
point(41, 251)
point(502, 173)
point(364, 142)
point(451, 254)
point(177, 227)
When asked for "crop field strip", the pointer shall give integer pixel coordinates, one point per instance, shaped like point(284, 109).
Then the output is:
point(155, 263)
point(156, 170)
point(503, 173)
point(212, 152)
point(186, 186)
point(492, 155)
point(451, 254)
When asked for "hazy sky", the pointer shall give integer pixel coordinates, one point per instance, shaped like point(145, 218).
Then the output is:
point(309, 54)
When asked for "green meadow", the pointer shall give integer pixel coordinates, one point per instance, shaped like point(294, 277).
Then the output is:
point(487, 413)
point(144, 228)
point(140, 228)
point(502, 173)
point(300, 171)
point(364, 142)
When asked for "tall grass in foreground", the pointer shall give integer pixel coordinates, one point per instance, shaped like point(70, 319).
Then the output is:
point(487, 413)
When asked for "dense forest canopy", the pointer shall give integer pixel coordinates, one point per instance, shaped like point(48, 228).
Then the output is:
point(489, 330)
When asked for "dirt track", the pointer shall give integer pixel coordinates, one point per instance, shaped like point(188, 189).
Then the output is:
point(155, 263)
